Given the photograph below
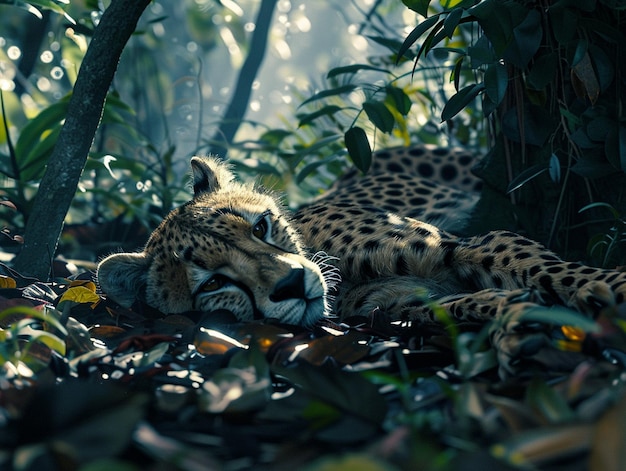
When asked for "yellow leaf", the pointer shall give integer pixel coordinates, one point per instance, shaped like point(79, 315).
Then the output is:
point(90, 285)
point(80, 295)
point(7, 282)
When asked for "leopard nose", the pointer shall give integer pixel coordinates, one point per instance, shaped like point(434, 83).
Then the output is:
point(290, 287)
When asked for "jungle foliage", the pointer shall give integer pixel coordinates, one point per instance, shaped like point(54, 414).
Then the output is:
point(88, 385)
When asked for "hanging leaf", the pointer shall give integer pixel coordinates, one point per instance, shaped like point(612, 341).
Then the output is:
point(400, 100)
point(332, 92)
point(496, 82)
point(584, 80)
point(554, 168)
point(359, 149)
point(460, 100)
point(415, 35)
point(379, 115)
point(328, 110)
point(525, 176)
point(452, 21)
point(418, 6)
point(354, 68)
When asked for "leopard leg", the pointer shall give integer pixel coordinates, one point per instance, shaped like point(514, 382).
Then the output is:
point(506, 260)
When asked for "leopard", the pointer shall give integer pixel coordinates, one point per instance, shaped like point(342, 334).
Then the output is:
point(383, 243)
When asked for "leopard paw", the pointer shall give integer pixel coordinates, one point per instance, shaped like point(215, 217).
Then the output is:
point(592, 298)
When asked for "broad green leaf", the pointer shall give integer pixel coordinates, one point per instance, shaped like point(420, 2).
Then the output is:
point(359, 149)
point(351, 393)
point(496, 82)
point(524, 177)
point(400, 100)
point(380, 115)
point(417, 32)
point(526, 40)
point(452, 21)
point(34, 163)
point(460, 100)
point(494, 17)
point(328, 110)
point(418, 6)
point(481, 53)
point(332, 92)
point(31, 134)
point(354, 68)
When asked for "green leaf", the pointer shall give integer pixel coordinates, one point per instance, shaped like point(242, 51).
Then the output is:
point(416, 33)
point(494, 17)
point(32, 133)
point(359, 149)
point(328, 110)
point(352, 69)
point(380, 115)
point(526, 40)
point(613, 211)
point(332, 92)
point(452, 21)
point(525, 176)
point(312, 167)
point(351, 393)
point(399, 99)
point(554, 168)
point(496, 82)
point(460, 100)
point(418, 6)
point(391, 44)
point(274, 136)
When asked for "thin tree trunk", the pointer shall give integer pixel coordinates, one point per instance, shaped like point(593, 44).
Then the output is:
point(58, 186)
point(241, 95)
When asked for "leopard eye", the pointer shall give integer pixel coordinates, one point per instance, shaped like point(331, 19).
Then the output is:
point(261, 228)
point(213, 284)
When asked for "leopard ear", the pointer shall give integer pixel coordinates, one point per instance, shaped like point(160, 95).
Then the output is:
point(209, 174)
point(123, 277)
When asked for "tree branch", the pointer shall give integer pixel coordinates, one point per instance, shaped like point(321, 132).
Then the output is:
point(59, 183)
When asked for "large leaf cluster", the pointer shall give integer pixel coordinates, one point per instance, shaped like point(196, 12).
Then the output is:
point(551, 80)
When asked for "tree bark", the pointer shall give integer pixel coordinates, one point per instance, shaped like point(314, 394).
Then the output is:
point(59, 183)
point(243, 89)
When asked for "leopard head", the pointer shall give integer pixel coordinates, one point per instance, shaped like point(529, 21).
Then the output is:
point(231, 247)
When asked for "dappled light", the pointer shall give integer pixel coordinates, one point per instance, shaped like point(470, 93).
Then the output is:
point(504, 116)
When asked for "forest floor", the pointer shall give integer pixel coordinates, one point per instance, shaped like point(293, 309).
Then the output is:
point(88, 385)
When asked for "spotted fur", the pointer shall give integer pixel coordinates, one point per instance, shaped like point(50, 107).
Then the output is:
point(386, 234)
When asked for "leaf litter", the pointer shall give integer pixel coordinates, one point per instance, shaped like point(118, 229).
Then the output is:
point(88, 385)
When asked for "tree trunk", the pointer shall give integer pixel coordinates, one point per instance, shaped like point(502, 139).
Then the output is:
point(249, 70)
point(58, 186)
